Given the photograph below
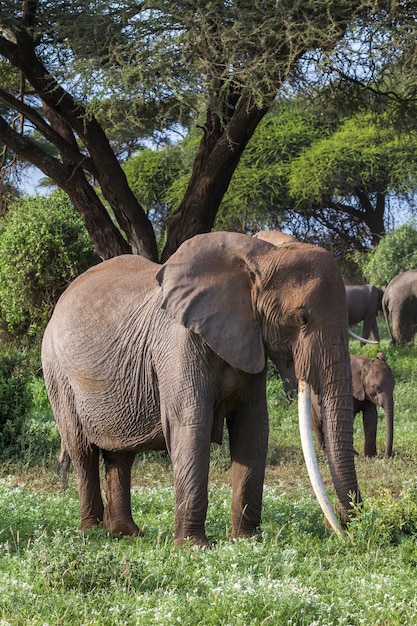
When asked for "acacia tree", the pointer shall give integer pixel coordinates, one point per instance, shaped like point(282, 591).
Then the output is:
point(346, 179)
point(72, 71)
point(325, 176)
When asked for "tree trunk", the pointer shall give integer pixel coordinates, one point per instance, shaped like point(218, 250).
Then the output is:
point(217, 158)
point(373, 216)
point(65, 111)
point(107, 239)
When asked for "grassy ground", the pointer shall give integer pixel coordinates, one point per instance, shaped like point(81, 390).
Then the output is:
point(296, 573)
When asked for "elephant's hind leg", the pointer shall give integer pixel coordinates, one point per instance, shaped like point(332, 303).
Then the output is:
point(86, 465)
point(84, 457)
point(118, 513)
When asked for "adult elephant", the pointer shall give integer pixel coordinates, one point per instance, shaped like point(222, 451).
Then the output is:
point(373, 386)
point(364, 302)
point(140, 356)
point(399, 305)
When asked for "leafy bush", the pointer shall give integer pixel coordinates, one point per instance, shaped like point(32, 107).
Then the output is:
point(28, 431)
point(385, 519)
point(39, 438)
point(43, 247)
point(396, 253)
point(15, 400)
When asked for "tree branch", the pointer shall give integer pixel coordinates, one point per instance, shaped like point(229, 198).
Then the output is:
point(109, 174)
point(48, 132)
point(32, 153)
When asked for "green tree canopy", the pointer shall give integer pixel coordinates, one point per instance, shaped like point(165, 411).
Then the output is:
point(259, 194)
point(85, 83)
point(354, 170)
point(326, 176)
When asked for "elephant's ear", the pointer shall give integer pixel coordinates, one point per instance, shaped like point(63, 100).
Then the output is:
point(358, 383)
point(208, 287)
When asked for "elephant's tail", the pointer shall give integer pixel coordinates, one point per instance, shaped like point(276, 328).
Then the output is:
point(62, 466)
point(386, 317)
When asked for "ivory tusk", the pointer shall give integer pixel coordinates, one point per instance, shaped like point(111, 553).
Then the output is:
point(310, 457)
point(355, 336)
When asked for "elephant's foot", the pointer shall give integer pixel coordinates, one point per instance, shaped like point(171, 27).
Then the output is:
point(243, 533)
point(190, 533)
point(90, 522)
point(122, 526)
point(243, 526)
point(200, 541)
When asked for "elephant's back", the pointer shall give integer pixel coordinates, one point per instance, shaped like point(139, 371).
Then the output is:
point(403, 284)
point(106, 291)
point(124, 274)
point(98, 305)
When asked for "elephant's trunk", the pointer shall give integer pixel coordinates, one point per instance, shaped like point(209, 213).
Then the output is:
point(337, 414)
point(385, 311)
point(331, 378)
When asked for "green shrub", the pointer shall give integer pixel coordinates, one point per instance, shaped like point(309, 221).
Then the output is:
point(43, 247)
point(28, 431)
point(39, 438)
point(396, 253)
point(385, 519)
point(15, 400)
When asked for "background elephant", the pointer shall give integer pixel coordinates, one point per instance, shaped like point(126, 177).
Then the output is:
point(140, 356)
point(399, 305)
point(364, 302)
point(373, 386)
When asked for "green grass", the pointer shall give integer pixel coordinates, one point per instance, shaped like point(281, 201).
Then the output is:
point(296, 573)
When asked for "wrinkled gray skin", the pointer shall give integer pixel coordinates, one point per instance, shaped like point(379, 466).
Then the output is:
point(373, 386)
point(139, 356)
point(399, 305)
point(364, 302)
point(284, 366)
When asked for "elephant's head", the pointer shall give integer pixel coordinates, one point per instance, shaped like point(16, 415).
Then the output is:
point(249, 299)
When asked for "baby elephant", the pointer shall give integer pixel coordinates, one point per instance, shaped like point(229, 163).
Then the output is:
point(373, 385)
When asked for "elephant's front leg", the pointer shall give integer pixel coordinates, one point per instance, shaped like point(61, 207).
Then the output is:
point(189, 448)
point(248, 432)
point(370, 425)
point(118, 514)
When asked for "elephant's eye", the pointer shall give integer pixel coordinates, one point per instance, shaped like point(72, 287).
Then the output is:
point(302, 318)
